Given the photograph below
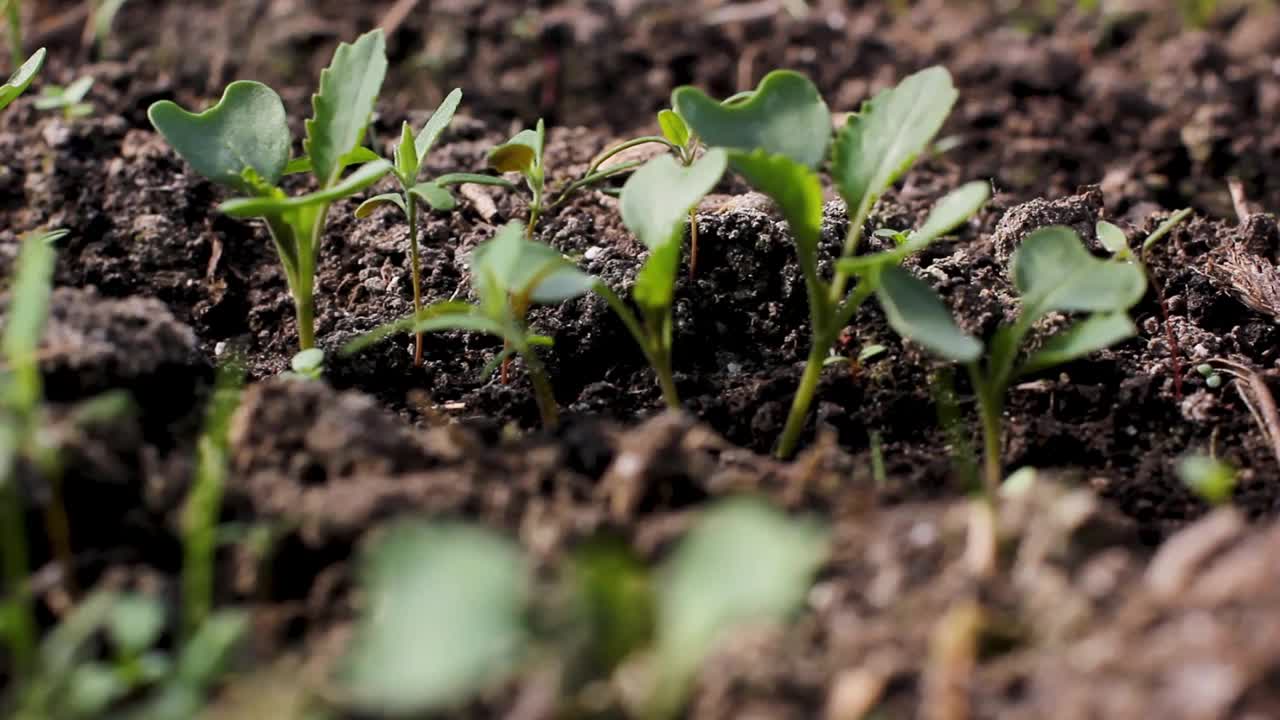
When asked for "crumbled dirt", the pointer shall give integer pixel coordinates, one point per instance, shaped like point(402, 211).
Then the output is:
point(1114, 595)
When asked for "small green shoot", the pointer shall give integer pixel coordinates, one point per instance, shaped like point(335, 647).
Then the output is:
point(1211, 479)
point(521, 154)
point(13, 19)
point(410, 157)
point(243, 143)
point(69, 99)
point(1210, 375)
point(509, 273)
point(656, 202)
point(1052, 272)
point(307, 364)
point(778, 137)
point(21, 78)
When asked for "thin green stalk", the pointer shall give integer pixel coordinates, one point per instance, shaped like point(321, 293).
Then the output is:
point(13, 11)
point(693, 242)
point(200, 518)
point(21, 630)
point(542, 391)
point(411, 211)
point(851, 241)
point(659, 360)
point(803, 398)
point(990, 409)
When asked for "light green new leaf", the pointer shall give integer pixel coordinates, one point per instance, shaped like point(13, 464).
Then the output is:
point(246, 130)
point(211, 648)
point(362, 178)
point(368, 206)
point(406, 156)
point(341, 109)
point(21, 78)
point(673, 127)
point(655, 283)
point(1113, 239)
point(953, 210)
point(881, 142)
point(656, 199)
point(1212, 479)
point(474, 179)
point(916, 312)
point(743, 563)
point(784, 116)
point(443, 618)
point(1053, 271)
point(28, 299)
point(795, 188)
point(135, 623)
point(447, 307)
point(523, 267)
point(434, 196)
point(439, 120)
point(1091, 334)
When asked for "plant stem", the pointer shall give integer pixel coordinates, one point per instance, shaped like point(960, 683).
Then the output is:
point(411, 210)
point(14, 13)
point(803, 398)
point(542, 391)
point(693, 241)
point(304, 307)
point(990, 409)
point(21, 626)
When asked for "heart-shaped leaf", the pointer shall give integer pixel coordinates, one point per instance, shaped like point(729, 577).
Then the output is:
point(916, 312)
point(881, 141)
point(436, 124)
point(1089, 335)
point(656, 199)
point(784, 116)
point(1053, 271)
point(246, 130)
point(21, 78)
point(342, 107)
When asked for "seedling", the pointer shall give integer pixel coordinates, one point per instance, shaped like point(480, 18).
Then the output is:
point(1213, 480)
point(450, 585)
point(1052, 272)
point(307, 364)
point(69, 99)
point(13, 19)
point(243, 142)
point(509, 274)
point(656, 203)
point(410, 156)
point(21, 78)
point(521, 154)
point(778, 137)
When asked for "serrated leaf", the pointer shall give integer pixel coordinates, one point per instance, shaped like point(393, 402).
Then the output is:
point(444, 618)
point(879, 143)
point(342, 107)
point(784, 116)
point(916, 313)
point(368, 206)
point(1112, 238)
point(21, 78)
point(673, 127)
point(1086, 336)
point(246, 130)
point(363, 177)
point(953, 210)
point(436, 197)
point(1053, 271)
point(438, 121)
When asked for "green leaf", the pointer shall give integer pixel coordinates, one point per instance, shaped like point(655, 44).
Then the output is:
point(436, 197)
point(655, 283)
point(1210, 478)
point(513, 157)
point(523, 267)
point(404, 324)
point(21, 78)
point(881, 142)
point(474, 179)
point(444, 619)
point(76, 91)
point(743, 563)
point(406, 158)
point(916, 312)
point(795, 188)
point(135, 624)
point(344, 104)
point(368, 206)
point(673, 127)
point(953, 210)
point(308, 363)
point(657, 198)
point(1113, 239)
point(208, 652)
point(1093, 333)
point(92, 688)
point(1053, 271)
point(615, 601)
point(439, 120)
point(28, 300)
point(362, 178)
point(246, 130)
point(784, 116)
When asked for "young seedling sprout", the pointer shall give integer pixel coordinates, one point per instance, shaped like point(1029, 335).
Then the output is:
point(656, 203)
point(410, 156)
point(21, 78)
point(13, 19)
point(778, 137)
point(69, 99)
point(521, 154)
point(1052, 272)
point(509, 274)
point(243, 143)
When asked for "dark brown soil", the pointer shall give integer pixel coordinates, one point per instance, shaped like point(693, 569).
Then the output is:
point(1116, 598)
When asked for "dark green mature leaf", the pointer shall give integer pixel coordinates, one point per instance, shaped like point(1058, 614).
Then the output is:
point(246, 130)
point(444, 618)
point(881, 142)
point(21, 78)
point(656, 199)
point(673, 127)
point(1091, 334)
point(795, 188)
point(950, 212)
point(349, 88)
point(743, 563)
point(436, 124)
point(784, 116)
point(368, 206)
point(363, 177)
point(1053, 271)
point(916, 312)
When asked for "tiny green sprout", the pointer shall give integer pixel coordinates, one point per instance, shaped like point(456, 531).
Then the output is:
point(410, 157)
point(1052, 272)
point(69, 99)
point(1213, 480)
point(656, 202)
point(522, 154)
point(509, 273)
point(1213, 381)
point(308, 363)
point(13, 19)
point(243, 143)
point(21, 78)
point(778, 137)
